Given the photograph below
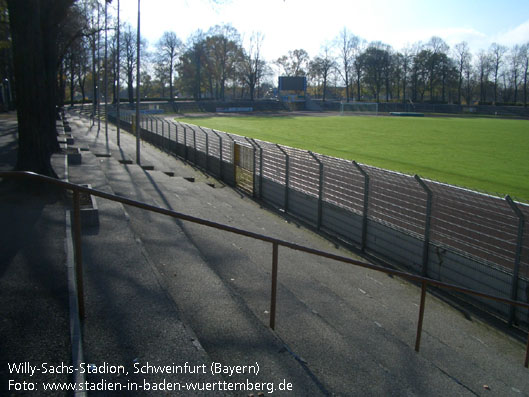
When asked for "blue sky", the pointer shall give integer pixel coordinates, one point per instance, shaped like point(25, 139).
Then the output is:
point(308, 24)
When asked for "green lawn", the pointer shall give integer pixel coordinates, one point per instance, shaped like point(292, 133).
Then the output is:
point(490, 155)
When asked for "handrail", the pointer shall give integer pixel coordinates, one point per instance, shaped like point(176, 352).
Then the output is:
point(76, 189)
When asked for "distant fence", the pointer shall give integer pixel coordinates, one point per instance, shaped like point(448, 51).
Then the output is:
point(443, 232)
point(484, 110)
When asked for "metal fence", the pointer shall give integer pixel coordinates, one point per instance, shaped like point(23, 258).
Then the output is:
point(447, 233)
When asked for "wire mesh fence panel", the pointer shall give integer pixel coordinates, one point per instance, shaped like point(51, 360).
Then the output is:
point(476, 224)
point(274, 163)
point(474, 238)
point(343, 184)
point(524, 254)
point(303, 171)
point(396, 199)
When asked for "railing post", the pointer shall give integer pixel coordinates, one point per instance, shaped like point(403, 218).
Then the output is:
point(78, 257)
point(320, 190)
point(426, 244)
point(207, 146)
point(366, 204)
point(273, 296)
point(421, 316)
point(176, 138)
point(517, 257)
point(254, 179)
point(232, 148)
point(194, 146)
point(185, 143)
point(260, 168)
point(220, 153)
point(287, 166)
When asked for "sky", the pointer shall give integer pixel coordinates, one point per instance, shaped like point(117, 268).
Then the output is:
point(310, 24)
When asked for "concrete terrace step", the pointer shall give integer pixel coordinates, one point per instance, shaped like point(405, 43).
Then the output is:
point(130, 319)
point(353, 329)
point(229, 332)
point(237, 273)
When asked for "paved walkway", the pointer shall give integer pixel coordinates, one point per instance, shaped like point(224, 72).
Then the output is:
point(159, 291)
point(34, 319)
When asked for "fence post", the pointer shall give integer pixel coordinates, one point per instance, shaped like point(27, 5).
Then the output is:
point(426, 245)
point(421, 316)
point(232, 147)
point(194, 146)
point(273, 295)
point(207, 146)
point(260, 168)
point(366, 204)
point(287, 165)
point(518, 254)
point(320, 190)
point(185, 143)
point(220, 153)
point(176, 139)
point(253, 165)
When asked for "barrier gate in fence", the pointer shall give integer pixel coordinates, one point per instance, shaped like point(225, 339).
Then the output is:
point(244, 162)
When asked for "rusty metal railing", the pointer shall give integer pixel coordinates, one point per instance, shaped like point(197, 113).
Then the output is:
point(77, 189)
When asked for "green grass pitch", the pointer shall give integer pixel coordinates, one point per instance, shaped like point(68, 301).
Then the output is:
point(490, 155)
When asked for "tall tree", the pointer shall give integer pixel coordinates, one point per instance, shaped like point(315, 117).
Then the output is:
point(525, 62)
point(375, 60)
point(346, 43)
point(35, 26)
point(463, 58)
point(169, 47)
point(6, 60)
point(295, 63)
point(224, 51)
point(516, 63)
point(483, 69)
point(321, 67)
point(129, 46)
point(252, 64)
point(497, 53)
point(406, 61)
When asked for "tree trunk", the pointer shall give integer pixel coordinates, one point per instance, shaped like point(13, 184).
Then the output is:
point(34, 29)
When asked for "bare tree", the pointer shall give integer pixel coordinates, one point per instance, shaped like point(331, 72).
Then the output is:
point(252, 64)
point(295, 63)
point(516, 63)
point(321, 67)
point(463, 58)
point(346, 43)
point(497, 53)
point(525, 61)
point(224, 50)
point(168, 50)
point(128, 46)
point(406, 63)
point(483, 70)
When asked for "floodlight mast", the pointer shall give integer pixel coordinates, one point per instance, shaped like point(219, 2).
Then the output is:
point(138, 91)
point(106, 69)
point(118, 88)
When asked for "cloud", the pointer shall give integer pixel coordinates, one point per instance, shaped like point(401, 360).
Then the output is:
point(517, 35)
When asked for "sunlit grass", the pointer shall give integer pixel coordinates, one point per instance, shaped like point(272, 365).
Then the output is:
point(484, 154)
